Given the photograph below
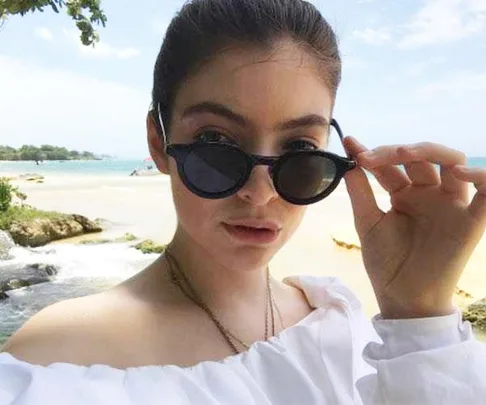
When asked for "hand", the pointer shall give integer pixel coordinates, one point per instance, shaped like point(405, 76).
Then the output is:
point(416, 252)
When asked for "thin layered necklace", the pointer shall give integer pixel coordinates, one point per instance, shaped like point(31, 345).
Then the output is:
point(179, 279)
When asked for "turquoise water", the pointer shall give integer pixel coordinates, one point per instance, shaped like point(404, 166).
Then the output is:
point(75, 167)
point(107, 167)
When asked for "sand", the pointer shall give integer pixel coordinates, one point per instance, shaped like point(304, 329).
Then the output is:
point(144, 207)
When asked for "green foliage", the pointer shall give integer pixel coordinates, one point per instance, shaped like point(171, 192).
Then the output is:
point(149, 246)
point(16, 213)
point(45, 152)
point(6, 194)
point(85, 13)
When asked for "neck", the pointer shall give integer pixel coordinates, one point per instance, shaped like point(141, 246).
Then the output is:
point(220, 286)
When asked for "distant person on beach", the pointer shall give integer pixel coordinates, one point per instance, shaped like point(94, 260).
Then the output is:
point(242, 111)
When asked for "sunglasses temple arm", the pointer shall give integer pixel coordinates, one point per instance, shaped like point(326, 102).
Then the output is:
point(157, 116)
point(335, 124)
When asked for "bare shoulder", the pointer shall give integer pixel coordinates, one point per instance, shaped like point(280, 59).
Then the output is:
point(71, 331)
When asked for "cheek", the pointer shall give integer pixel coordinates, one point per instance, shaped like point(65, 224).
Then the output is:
point(193, 212)
point(294, 215)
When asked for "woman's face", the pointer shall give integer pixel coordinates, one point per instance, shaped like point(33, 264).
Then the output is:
point(257, 92)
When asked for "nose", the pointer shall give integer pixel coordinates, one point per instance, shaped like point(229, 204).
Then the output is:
point(259, 189)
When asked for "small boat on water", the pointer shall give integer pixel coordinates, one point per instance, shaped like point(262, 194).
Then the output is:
point(149, 169)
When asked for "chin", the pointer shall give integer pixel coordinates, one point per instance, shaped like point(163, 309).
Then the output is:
point(246, 257)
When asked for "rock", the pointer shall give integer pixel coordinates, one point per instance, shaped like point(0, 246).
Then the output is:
point(128, 237)
point(476, 314)
point(12, 277)
point(149, 246)
point(88, 226)
point(349, 246)
point(95, 241)
point(36, 178)
point(31, 176)
point(3, 296)
point(41, 231)
point(462, 293)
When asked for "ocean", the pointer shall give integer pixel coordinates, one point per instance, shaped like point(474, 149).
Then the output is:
point(75, 167)
point(107, 167)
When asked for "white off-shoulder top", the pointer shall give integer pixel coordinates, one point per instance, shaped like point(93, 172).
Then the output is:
point(333, 356)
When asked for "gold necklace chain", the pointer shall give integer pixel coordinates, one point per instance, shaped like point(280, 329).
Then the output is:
point(195, 298)
point(177, 282)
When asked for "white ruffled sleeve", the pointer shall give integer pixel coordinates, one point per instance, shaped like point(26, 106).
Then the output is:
point(433, 360)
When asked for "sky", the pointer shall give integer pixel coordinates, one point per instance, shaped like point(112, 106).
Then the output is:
point(413, 71)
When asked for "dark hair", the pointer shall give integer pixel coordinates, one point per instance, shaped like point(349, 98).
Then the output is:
point(203, 27)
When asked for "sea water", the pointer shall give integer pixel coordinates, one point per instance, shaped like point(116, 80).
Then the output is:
point(107, 167)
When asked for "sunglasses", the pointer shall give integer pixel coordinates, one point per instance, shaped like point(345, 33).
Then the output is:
point(216, 170)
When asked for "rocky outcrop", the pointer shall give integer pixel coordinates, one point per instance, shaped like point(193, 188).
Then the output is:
point(476, 314)
point(41, 231)
point(149, 246)
point(12, 277)
point(128, 237)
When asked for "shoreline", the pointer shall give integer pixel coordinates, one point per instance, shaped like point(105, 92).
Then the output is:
point(143, 206)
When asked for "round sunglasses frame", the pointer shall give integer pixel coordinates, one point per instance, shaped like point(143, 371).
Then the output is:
point(180, 152)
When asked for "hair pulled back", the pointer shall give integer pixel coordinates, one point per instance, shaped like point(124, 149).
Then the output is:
point(202, 28)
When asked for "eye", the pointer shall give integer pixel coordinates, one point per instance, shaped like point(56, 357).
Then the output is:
point(211, 135)
point(301, 144)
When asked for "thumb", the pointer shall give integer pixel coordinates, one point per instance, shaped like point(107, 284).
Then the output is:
point(366, 212)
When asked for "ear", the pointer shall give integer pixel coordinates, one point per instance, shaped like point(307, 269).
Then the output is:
point(156, 145)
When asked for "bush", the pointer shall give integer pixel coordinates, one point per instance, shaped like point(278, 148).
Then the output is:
point(6, 193)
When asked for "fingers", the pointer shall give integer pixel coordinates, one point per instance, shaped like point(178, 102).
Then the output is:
point(477, 176)
point(365, 209)
point(421, 173)
point(391, 178)
point(451, 184)
point(426, 153)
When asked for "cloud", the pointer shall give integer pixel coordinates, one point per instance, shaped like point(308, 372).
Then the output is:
point(372, 36)
point(443, 21)
point(44, 33)
point(72, 110)
point(457, 84)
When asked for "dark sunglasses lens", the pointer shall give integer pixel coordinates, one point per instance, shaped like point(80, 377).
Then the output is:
point(215, 168)
point(305, 176)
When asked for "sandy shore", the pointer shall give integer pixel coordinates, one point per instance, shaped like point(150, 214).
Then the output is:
point(144, 207)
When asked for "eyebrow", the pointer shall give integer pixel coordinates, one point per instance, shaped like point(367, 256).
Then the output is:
point(221, 110)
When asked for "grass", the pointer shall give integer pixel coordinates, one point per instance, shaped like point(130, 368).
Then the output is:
point(16, 213)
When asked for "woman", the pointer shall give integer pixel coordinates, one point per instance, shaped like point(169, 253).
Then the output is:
point(243, 102)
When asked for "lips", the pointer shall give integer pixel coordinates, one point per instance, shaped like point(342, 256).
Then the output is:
point(255, 223)
point(252, 231)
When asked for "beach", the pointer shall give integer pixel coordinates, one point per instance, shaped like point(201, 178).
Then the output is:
point(143, 206)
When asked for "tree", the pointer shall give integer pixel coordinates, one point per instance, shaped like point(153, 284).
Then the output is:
point(6, 192)
point(76, 9)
